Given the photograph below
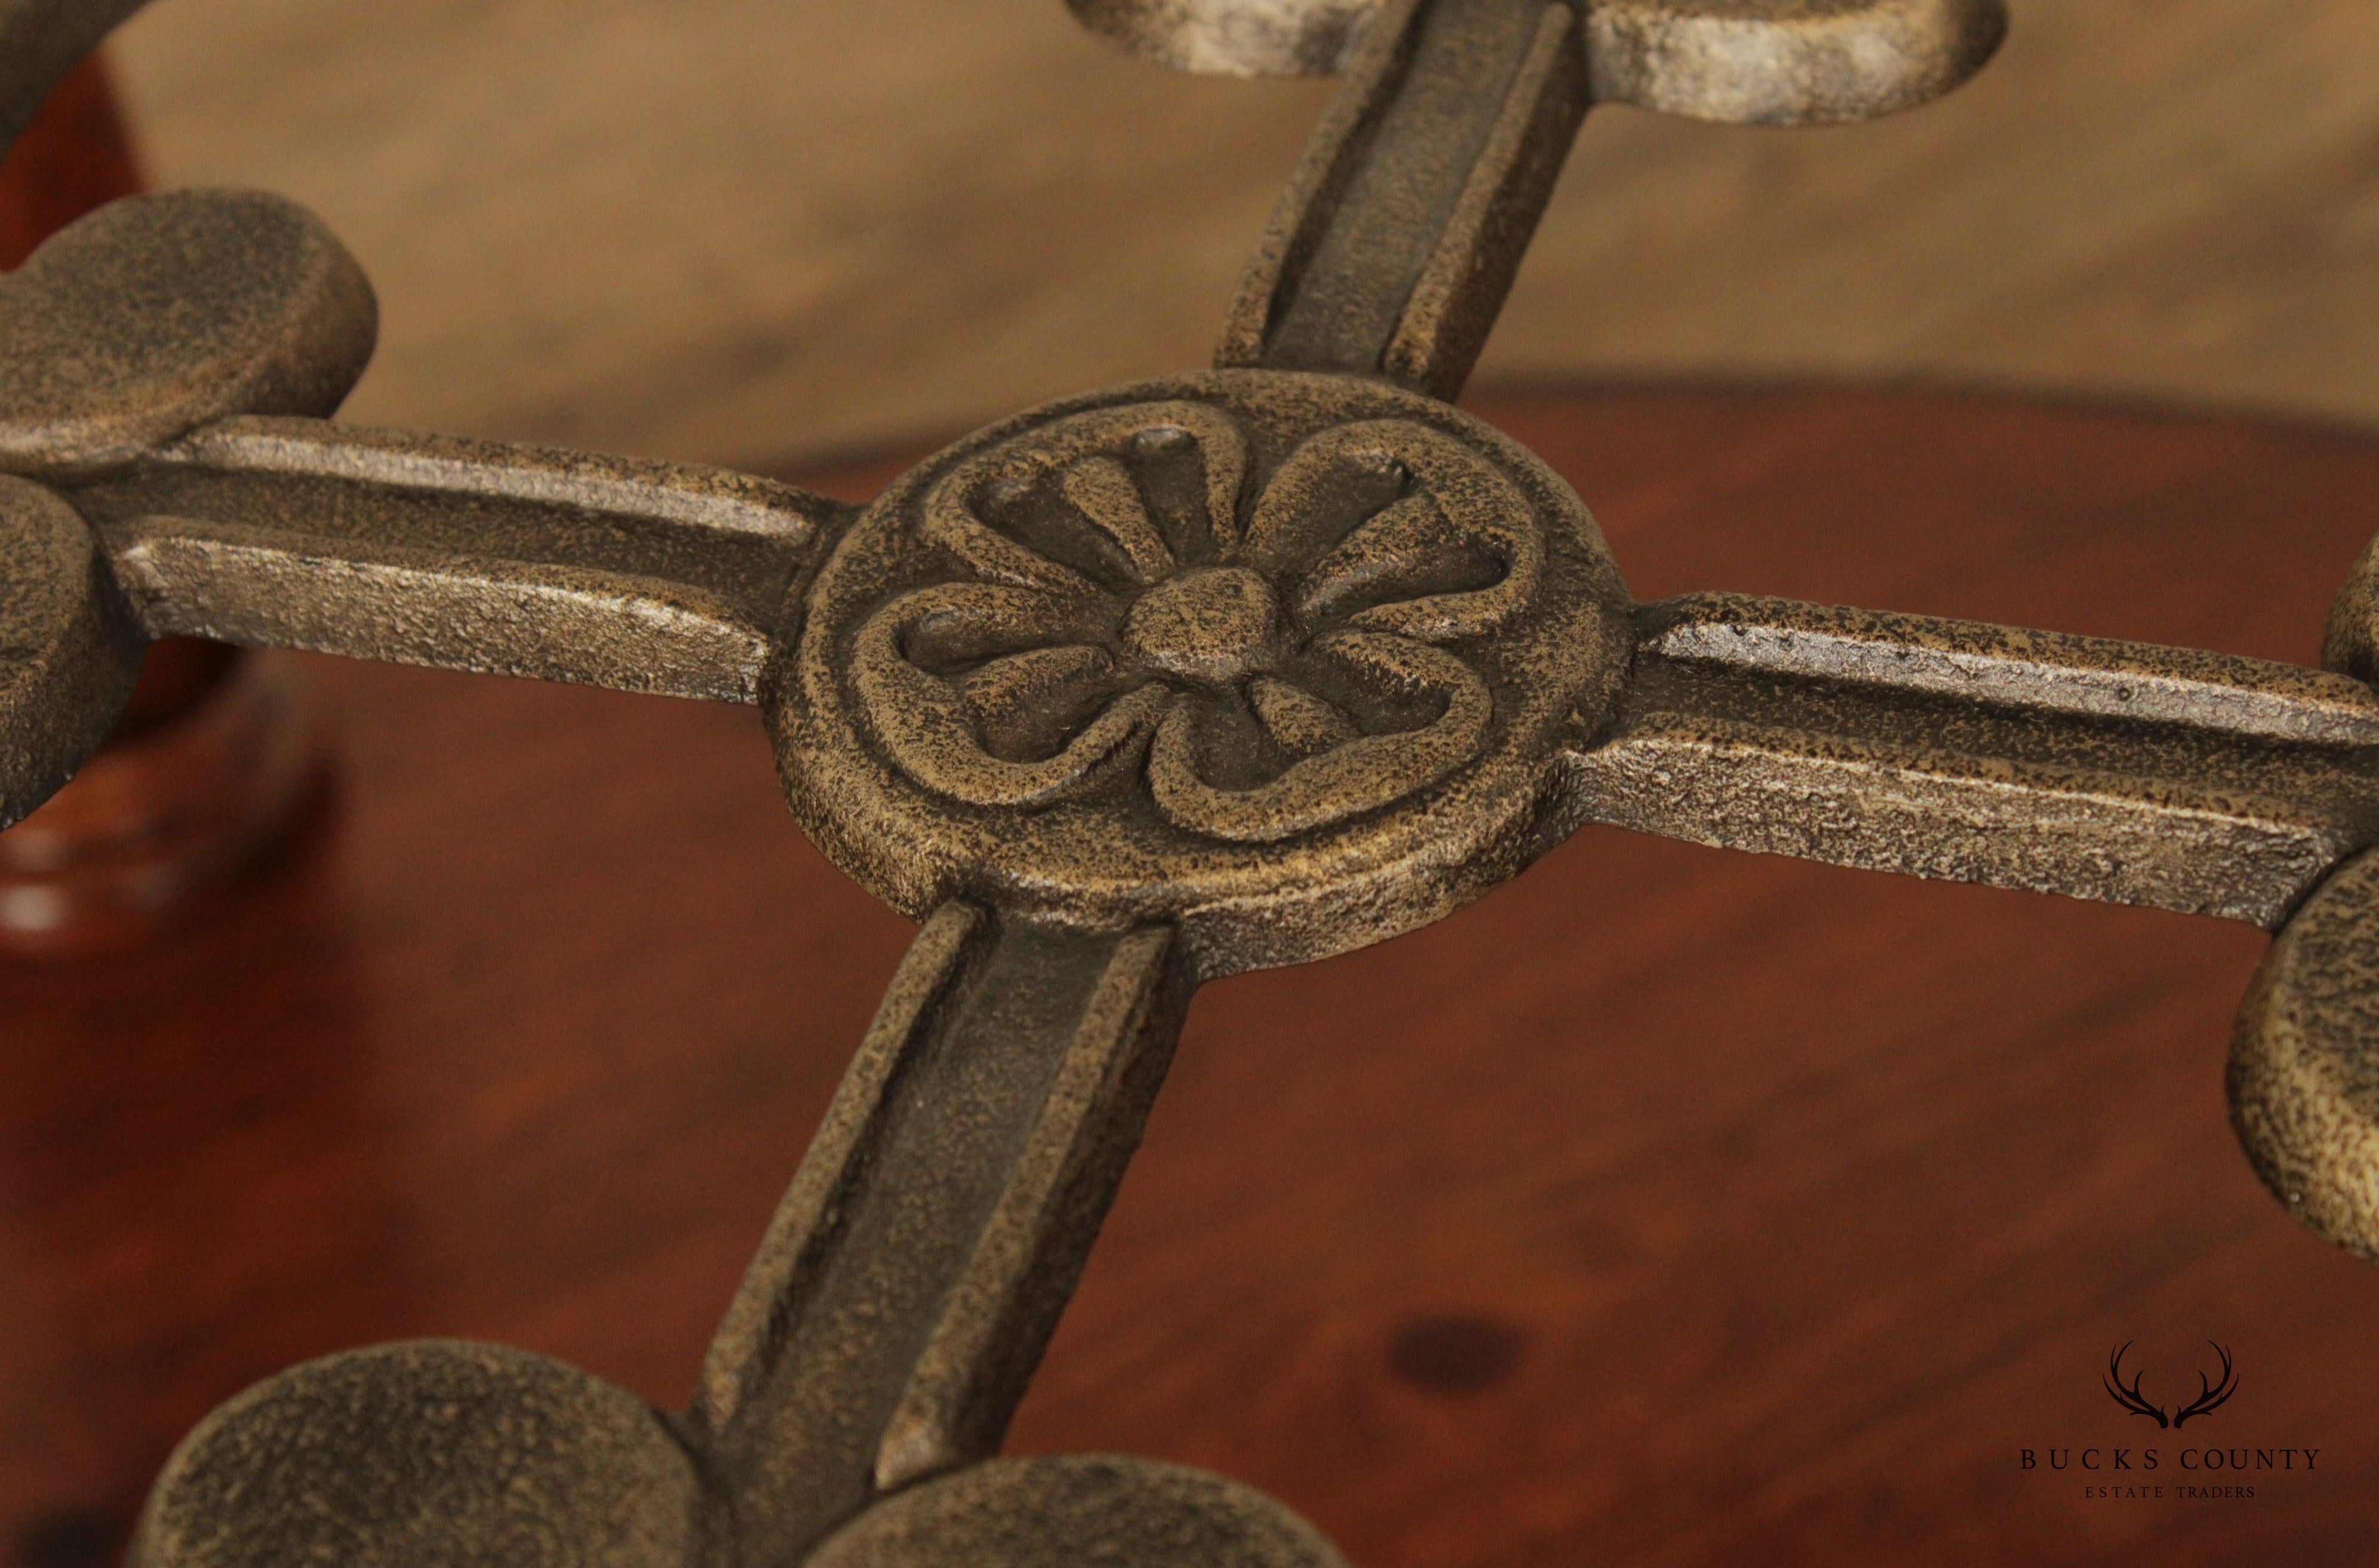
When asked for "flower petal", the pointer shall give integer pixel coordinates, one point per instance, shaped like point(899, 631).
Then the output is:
point(1225, 454)
point(953, 515)
point(1105, 491)
point(1396, 548)
point(1457, 506)
point(1362, 775)
point(1298, 721)
point(923, 722)
point(948, 629)
point(1028, 705)
point(1328, 484)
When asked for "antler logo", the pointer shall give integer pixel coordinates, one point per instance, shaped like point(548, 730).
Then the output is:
point(2210, 1396)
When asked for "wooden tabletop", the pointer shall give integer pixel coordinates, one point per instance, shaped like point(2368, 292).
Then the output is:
point(1669, 1207)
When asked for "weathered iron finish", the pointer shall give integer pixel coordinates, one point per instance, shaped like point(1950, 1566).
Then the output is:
point(1406, 221)
point(157, 314)
point(2098, 770)
point(380, 543)
point(69, 647)
point(1279, 659)
point(1754, 62)
point(885, 1330)
point(917, 1266)
point(1231, 668)
point(1399, 236)
point(2304, 1063)
point(1066, 1510)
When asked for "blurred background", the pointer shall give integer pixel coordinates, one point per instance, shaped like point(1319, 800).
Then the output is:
point(753, 230)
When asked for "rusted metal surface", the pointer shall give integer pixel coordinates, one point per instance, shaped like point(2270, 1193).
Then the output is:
point(1234, 668)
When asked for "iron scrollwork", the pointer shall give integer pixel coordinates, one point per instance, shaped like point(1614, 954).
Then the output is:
point(1237, 668)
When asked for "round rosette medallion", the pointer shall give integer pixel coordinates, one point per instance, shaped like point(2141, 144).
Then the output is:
point(1283, 657)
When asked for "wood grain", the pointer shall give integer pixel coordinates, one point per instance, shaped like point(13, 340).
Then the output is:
point(1669, 1207)
point(729, 228)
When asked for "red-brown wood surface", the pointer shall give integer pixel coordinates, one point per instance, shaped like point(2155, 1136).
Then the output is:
point(74, 155)
point(187, 793)
point(1669, 1207)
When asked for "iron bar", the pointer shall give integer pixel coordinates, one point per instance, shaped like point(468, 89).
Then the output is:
point(1400, 234)
point(902, 1295)
point(2097, 769)
point(641, 577)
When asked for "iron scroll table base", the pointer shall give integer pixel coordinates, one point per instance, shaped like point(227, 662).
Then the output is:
point(1236, 669)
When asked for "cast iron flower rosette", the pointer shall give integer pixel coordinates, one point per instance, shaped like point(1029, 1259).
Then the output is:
point(1251, 651)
